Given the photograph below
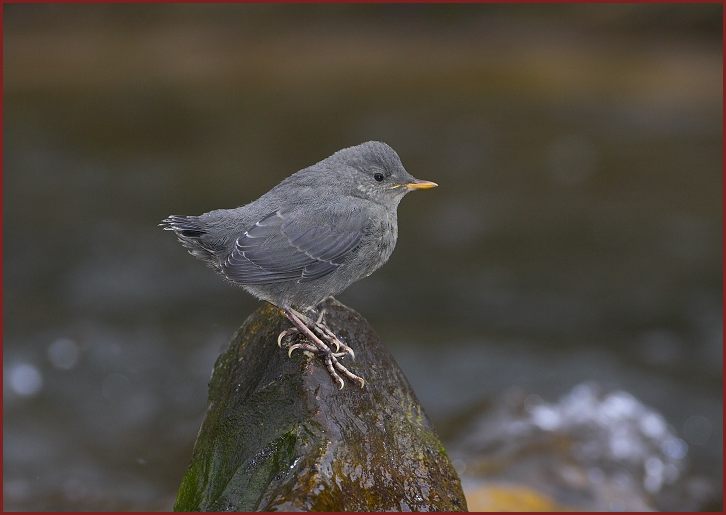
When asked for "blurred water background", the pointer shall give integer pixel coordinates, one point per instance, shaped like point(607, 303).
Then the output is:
point(575, 237)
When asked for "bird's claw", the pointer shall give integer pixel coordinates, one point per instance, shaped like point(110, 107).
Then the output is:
point(331, 370)
point(350, 375)
point(349, 351)
point(303, 346)
point(331, 363)
point(284, 334)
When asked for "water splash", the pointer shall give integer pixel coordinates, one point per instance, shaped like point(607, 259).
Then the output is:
point(591, 448)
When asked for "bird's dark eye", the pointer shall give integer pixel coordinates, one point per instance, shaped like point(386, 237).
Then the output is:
point(378, 177)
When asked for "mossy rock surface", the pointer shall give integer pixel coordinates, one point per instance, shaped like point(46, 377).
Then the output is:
point(280, 436)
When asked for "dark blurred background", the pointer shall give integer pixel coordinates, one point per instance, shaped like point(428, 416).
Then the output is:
point(575, 235)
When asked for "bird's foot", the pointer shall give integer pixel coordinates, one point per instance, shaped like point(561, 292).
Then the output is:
point(325, 332)
point(315, 344)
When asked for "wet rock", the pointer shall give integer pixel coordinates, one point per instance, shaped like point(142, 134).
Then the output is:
point(280, 436)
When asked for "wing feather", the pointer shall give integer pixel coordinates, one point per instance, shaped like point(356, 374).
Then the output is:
point(281, 247)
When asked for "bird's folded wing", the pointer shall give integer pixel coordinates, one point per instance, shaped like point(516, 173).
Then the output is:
point(281, 247)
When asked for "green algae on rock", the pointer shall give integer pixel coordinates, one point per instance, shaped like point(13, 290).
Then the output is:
point(280, 436)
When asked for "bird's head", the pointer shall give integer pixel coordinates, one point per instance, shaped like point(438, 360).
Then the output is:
point(373, 171)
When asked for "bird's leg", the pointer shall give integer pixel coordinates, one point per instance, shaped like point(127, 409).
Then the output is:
point(334, 367)
point(300, 326)
point(325, 332)
point(320, 326)
point(294, 330)
point(320, 316)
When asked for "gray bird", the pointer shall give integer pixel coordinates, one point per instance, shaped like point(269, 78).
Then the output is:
point(308, 238)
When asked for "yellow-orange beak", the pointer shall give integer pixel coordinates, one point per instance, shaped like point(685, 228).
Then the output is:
point(420, 185)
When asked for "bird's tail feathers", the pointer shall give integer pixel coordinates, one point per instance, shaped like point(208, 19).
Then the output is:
point(187, 226)
point(190, 232)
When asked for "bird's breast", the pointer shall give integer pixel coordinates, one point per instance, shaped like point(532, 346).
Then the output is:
point(390, 235)
point(378, 246)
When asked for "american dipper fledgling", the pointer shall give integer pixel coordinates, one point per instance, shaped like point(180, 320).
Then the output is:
point(308, 238)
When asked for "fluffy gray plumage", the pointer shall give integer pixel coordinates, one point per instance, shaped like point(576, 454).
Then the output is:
point(312, 235)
